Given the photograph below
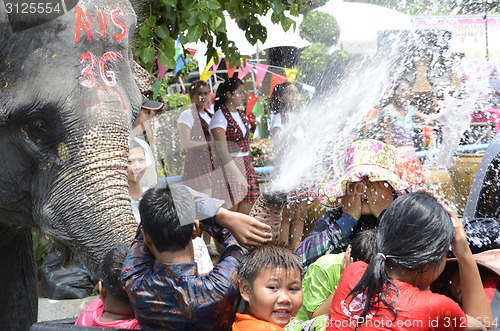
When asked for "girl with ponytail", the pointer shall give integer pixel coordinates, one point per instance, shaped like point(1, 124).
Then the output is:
point(392, 292)
point(235, 180)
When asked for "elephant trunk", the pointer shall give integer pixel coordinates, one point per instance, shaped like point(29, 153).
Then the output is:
point(89, 208)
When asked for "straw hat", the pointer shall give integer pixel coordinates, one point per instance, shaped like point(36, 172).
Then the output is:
point(365, 158)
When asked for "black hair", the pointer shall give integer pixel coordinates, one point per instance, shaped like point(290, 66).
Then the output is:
point(111, 270)
point(268, 256)
point(277, 105)
point(414, 232)
point(167, 216)
point(363, 245)
point(229, 85)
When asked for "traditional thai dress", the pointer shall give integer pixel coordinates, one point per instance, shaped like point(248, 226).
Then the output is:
point(408, 165)
point(199, 165)
point(226, 186)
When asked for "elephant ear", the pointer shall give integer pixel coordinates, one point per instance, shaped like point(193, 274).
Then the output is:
point(21, 18)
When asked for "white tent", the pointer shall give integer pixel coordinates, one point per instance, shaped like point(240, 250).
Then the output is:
point(360, 23)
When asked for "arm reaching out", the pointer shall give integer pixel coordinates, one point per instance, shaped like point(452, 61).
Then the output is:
point(475, 302)
point(248, 231)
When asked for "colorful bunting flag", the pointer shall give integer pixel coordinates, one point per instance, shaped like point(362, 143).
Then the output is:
point(230, 72)
point(216, 66)
point(275, 80)
point(181, 62)
point(251, 101)
point(291, 74)
point(244, 70)
point(161, 69)
point(205, 75)
point(261, 72)
point(177, 48)
point(156, 88)
point(191, 51)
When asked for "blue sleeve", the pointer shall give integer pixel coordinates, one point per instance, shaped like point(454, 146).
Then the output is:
point(346, 224)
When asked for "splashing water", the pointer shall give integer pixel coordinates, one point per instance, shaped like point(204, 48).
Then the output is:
point(314, 143)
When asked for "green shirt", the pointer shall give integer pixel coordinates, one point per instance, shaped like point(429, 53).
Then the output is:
point(319, 282)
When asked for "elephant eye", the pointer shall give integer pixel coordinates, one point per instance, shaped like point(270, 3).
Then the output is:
point(39, 125)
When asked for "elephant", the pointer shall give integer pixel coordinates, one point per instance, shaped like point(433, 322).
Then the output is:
point(67, 103)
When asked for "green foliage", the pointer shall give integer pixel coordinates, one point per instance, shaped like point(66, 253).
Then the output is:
point(175, 102)
point(203, 20)
point(316, 60)
point(320, 27)
point(42, 247)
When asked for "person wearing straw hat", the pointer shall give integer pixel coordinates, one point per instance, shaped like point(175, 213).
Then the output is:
point(367, 188)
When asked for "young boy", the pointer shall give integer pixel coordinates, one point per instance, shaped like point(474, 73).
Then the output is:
point(160, 275)
point(270, 282)
point(112, 309)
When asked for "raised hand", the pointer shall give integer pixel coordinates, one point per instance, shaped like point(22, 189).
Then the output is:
point(248, 231)
point(379, 196)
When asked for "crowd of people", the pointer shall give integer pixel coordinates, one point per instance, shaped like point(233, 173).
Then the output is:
point(384, 255)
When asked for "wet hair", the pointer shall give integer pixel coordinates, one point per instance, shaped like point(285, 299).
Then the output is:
point(111, 270)
point(195, 86)
point(415, 232)
point(269, 256)
point(167, 216)
point(363, 245)
point(277, 105)
point(229, 85)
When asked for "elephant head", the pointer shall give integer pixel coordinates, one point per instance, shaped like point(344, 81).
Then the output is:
point(67, 101)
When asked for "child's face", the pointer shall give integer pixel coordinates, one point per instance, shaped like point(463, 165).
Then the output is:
point(276, 295)
point(136, 165)
point(291, 96)
point(201, 97)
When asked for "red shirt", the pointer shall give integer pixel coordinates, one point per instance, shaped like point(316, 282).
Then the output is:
point(91, 316)
point(416, 310)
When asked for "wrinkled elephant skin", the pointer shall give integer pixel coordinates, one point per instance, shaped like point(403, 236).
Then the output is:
point(66, 98)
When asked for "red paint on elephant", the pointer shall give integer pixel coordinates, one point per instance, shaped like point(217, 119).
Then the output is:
point(114, 15)
point(80, 15)
point(83, 23)
point(87, 71)
point(108, 76)
point(102, 24)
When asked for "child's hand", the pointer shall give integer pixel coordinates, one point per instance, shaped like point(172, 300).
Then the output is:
point(379, 195)
point(248, 231)
point(460, 244)
point(347, 259)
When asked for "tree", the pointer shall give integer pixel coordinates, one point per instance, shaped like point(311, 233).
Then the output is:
point(320, 27)
point(203, 20)
point(320, 58)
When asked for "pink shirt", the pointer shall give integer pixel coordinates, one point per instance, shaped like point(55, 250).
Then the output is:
point(91, 316)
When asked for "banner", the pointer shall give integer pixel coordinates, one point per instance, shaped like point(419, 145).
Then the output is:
point(275, 80)
point(291, 74)
point(261, 70)
point(230, 72)
point(216, 66)
point(244, 70)
point(206, 74)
